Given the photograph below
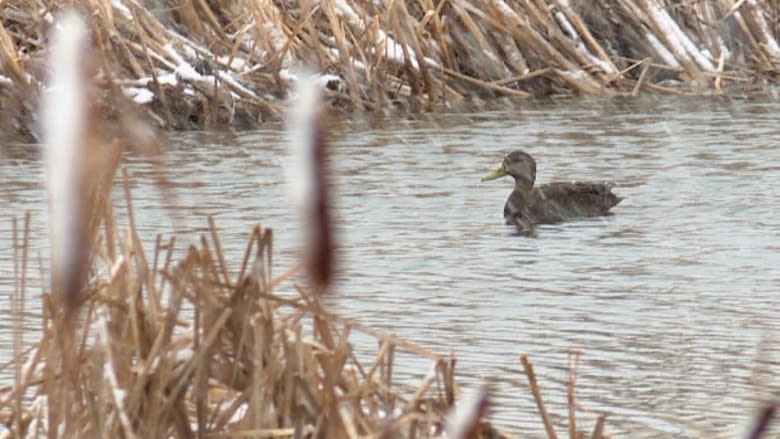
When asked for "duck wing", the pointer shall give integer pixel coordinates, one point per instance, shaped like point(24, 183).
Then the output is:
point(560, 201)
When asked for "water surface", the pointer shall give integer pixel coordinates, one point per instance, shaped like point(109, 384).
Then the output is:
point(673, 300)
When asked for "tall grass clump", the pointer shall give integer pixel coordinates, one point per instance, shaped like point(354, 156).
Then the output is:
point(206, 347)
point(184, 349)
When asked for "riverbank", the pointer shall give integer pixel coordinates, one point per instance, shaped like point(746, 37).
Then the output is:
point(212, 65)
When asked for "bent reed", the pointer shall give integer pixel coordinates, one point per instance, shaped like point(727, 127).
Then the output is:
point(207, 64)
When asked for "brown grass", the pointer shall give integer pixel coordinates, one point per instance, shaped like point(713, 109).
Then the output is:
point(185, 349)
point(206, 347)
point(211, 64)
point(182, 348)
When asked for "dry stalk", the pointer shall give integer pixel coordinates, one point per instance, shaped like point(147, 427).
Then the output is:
point(239, 367)
point(598, 430)
point(529, 372)
point(574, 358)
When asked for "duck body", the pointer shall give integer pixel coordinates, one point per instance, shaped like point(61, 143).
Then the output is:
point(556, 202)
point(550, 203)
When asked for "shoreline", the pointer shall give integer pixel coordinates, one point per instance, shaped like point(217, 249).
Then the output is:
point(202, 67)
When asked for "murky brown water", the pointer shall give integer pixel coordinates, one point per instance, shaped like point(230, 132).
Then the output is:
point(673, 299)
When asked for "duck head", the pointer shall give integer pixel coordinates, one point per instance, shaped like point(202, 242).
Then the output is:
point(521, 166)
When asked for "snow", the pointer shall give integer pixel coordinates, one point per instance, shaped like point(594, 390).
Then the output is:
point(139, 95)
point(288, 75)
point(229, 79)
point(238, 415)
point(183, 68)
point(276, 35)
point(184, 355)
point(120, 6)
point(234, 63)
point(166, 78)
point(393, 50)
point(567, 26)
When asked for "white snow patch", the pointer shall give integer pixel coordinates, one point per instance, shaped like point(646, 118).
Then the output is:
point(166, 78)
point(234, 63)
point(163, 78)
point(183, 68)
point(393, 49)
point(239, 414)
point(568, 28)
point(356, 63)
point(139, 95)
point(120, 6)
point(345, 9)
point(276, 35)
point(577, 75)
point(184, 355)
point(229, 79)
point(288, 75)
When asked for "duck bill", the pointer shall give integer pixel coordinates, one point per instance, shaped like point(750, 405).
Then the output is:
point(498, 173)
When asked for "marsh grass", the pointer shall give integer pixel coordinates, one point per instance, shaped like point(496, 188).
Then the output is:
point(176, 349)
point(210, 64)
point(207, 347)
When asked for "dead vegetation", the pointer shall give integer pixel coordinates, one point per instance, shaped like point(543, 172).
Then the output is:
point(151, 345)
point(209, 64)
point(142, 345)
point(205, 347)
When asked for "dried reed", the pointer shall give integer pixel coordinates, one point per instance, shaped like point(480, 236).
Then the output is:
point(245, 363)
point(205, 64)
point(186, 350)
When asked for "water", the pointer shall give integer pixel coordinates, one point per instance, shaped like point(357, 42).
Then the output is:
point(672, 300)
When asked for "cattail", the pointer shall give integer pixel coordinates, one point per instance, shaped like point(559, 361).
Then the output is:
point(309, 181)
point(464, 420)
point(64, 124)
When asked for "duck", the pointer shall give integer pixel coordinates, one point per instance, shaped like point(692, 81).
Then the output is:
point(549, 203)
